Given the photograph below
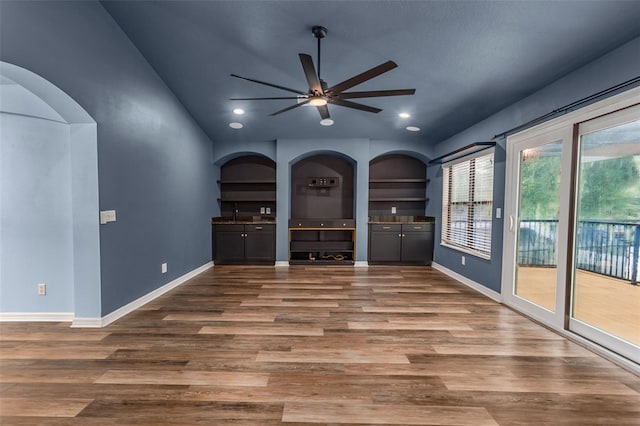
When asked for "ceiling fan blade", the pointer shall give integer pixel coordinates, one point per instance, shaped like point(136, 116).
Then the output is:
point(324, 112)
point(310, 73)
point(354, 105)
point(290, 108)
point(376, 93)
point(271, 85)
point(273, 98)
point(362, 77)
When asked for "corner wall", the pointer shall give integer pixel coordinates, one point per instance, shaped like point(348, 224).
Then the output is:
point(154, 162)
point(618, 66)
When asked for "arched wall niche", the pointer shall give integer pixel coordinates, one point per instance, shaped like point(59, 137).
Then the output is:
point(323, 186)
point(77, 213)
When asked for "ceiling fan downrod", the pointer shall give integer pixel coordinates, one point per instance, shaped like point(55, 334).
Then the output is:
point(319, 33)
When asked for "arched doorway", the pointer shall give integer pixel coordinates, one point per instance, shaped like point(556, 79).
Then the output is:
point(48, 203)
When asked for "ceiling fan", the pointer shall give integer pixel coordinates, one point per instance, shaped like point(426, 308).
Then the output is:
point(319, 94)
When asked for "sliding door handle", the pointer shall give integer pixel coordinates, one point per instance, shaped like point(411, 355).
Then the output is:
point(511, 220)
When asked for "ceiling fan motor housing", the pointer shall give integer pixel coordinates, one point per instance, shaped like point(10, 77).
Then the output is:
point(319, 32)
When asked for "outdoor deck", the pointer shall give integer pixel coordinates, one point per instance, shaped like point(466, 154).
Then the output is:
point(611, 304)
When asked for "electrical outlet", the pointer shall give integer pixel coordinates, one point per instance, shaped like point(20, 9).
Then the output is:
point(394, 210)
point(164, 268)
point(463, 260)
point(42, 289)
point(262, 210)
point(107, 216)
point(268, 210)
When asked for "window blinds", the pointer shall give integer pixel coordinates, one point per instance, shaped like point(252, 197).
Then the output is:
point(467, 204)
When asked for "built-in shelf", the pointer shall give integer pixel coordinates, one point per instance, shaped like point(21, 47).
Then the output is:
point(397, 185)
point(241, 196)
point(314, 242)
point(246, 182)
point(398, 180)
point(400, 199)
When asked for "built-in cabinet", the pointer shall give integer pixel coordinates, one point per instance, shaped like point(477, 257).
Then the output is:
point(322, 241)
point(321, 227)
point(244, 243)
point(399, 233)
point(245, 231)
point(406, 243)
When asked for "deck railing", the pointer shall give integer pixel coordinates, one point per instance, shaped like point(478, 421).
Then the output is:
point(608, 248)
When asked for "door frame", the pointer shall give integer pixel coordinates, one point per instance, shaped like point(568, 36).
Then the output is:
point(515, 145)
point(559, 320)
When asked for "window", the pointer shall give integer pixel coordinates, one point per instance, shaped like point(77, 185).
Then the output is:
point(467, 204)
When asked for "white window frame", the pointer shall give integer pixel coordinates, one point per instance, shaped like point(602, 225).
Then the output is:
point(446, 203)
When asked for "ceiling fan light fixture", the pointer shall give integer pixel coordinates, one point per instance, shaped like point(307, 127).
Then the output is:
point(326, 122)
point(318, 101)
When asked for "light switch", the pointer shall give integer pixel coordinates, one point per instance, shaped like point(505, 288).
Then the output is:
point(393, 210)
point(107, 216)
point(498, 213)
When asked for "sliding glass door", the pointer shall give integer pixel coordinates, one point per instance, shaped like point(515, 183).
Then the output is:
point(533, 238)
point(571, 253)
point(605, 292)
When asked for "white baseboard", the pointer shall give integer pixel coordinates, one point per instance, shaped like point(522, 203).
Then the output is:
point(36, 316)
point(136, 304)
point(361, 264)
point(469, 283)
point(282, 264)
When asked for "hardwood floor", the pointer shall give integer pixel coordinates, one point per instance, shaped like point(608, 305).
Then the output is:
point(303, 345)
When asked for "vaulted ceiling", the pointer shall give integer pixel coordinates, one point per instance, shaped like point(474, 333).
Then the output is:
point(466, 59)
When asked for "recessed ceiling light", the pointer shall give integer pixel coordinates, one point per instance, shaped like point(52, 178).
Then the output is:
point(236, 125)
point(404, 115)
point(326, 122)
point(413, 128)
point(238, 111)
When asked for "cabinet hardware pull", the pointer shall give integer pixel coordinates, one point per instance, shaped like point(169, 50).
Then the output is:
point(400, 235)
point(258, 228)
point(386, 227)
point(417, 227)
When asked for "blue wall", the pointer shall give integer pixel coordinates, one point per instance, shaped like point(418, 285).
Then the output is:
point(154, 162)
point(618, 66)
point(36, 215)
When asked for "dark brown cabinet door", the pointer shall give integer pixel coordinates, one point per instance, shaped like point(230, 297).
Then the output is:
point(401, 243)
point(259, 245)
point(416, 246)
point(385, 244)
point(228, 244)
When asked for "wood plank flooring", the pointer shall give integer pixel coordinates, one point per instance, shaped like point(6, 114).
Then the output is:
point(311, 345)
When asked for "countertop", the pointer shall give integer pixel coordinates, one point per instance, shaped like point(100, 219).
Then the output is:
point(386, 220)
point(242, 221)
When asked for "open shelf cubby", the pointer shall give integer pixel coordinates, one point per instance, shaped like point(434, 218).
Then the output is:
point(248, 187)
point(321, 228)
point(397, 180)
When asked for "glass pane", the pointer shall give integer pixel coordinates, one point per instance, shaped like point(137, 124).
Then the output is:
point(608, 232)
point(539, 197)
